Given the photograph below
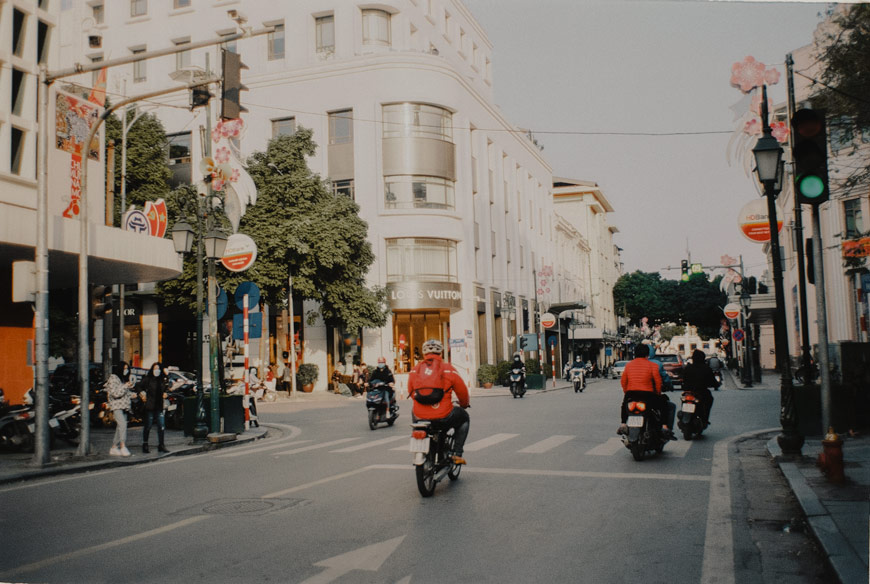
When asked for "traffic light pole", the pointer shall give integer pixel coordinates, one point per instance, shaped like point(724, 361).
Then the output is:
point(822, 320)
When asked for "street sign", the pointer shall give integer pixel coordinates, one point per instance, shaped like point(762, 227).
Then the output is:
point(250, 289)
point(222, 303)
point(552, 341)
point(548, 320)
point(240, 253)
point(731, 310)
point(754, 221)
point(255, 326)
point(738, 335)
point(697, 268)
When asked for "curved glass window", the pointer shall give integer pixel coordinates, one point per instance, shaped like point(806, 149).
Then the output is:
point(418, 192)
point(422, 259)
point(417, 120)
point(376, 27)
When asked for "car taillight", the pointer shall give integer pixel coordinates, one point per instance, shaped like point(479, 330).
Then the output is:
point(419, 434)
point(75, 400)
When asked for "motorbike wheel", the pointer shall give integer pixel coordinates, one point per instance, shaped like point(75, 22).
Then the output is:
point(687, 434)
point(426, 477)
point(576, 386)
point(638, 451)
point(373, 420)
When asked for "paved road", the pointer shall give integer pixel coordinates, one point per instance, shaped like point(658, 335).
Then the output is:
point(550, 495)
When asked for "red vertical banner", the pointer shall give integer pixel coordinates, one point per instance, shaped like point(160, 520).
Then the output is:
point(75, 191)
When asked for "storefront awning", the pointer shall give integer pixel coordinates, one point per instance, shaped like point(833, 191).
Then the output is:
point(565, 307)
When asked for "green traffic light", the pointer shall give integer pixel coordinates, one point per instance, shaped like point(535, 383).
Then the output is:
point(811, 186)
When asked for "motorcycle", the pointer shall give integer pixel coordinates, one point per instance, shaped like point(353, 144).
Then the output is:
point(690, 417)
point(65, 418)
point(431, 448)
point(518, 382)
point(718, 375)
point(376, 403)
point(578, 378)
point(17, 424)
point(644, 429)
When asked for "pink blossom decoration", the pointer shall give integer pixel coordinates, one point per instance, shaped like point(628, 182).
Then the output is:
point(234, 177)
point(752, 127)
point(222, 155)
point(216, 134)
point(217, 184)
point(780, 131)
point(747, 74)
point(771, 76)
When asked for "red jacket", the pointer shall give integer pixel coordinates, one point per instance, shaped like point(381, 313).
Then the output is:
point(450, 381)
point(641, 374)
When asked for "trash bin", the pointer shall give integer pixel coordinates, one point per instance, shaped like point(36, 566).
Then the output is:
point(231, 410)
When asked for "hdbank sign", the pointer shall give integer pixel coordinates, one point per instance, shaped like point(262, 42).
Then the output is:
point(423, 295)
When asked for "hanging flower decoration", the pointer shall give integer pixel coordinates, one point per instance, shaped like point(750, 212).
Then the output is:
point(752, 127)
point(780, 131)
point(771, 76)
point(747, 74)
point(222, 155)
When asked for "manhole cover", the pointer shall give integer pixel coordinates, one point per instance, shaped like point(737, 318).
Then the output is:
point(240, 507)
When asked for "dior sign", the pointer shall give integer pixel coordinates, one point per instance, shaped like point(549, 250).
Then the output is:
point(423, 295)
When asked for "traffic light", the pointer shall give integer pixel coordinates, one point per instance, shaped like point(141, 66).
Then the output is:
point(101, 301)
point(810, 153)
point(523, 342)
point(199, 96)
point(684, 267)
point(231, 85)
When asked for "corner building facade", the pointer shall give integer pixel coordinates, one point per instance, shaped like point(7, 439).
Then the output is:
point(399, 96)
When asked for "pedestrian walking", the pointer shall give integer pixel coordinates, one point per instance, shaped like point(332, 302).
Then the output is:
point(152, 390)
point(118, 389)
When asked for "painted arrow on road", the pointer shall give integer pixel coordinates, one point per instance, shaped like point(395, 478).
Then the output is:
point(367, 558)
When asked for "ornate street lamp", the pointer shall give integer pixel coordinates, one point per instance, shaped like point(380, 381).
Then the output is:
point(745, 303)
point(215, 244)
point(182, 237)
point(768, 158)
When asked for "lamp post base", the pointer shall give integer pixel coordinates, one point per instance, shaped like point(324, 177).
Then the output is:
point(790, 442)
point(200, 431)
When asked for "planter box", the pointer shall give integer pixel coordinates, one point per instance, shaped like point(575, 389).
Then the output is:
point(535, 381)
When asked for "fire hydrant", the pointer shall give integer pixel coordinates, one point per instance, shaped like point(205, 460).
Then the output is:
point(831, 458)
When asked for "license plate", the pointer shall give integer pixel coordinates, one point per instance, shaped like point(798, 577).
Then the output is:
point(690, 408)
point(172, 407)
point(419, 445)
point(635, 421)
point(53, 423)
point(31, 427)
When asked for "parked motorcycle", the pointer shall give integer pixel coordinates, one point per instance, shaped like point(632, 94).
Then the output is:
point(718, 375)
point(518, 382)
point(65, 418)
point(377, 398)
point(578, 377)
point(691, 417)
point(432, 460)
point(644, 429)
point(17, 424)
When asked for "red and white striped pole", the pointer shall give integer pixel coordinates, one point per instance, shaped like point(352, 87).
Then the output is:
point(553, 362)
point(247, 370)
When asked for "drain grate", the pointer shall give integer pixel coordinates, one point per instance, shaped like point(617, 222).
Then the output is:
point(246, 507)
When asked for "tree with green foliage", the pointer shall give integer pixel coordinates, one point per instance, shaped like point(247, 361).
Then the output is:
point(844, 84)
point(302, 229)
point(148, 173)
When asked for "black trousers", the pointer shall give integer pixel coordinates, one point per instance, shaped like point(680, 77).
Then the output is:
point(457, 419)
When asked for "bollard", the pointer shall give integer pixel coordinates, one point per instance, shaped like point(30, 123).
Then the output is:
point(831, 458)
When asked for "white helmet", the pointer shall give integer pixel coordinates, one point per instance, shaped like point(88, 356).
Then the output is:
point(433, 346)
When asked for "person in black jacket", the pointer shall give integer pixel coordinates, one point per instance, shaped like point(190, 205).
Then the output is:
point(697, 378)
point(383, 373)
point(152, 391)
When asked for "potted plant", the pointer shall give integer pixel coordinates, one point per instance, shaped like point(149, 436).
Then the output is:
point(487, 375)
point(306, 375)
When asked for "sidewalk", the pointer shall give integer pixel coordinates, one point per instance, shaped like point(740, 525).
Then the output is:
point(837, 514)
point(15, 466)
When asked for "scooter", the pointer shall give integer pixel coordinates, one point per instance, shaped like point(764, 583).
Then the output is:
point(17, 424)
point(718, 375)
point(578, 377)
point(377, 397)
point(644, 429)
point(690, 417)
point(431, 448)
point(518, 382)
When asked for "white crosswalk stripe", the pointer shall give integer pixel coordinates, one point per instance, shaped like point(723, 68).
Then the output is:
point(546, 444)
point(315, 446)
point(489, 441)
point(609, 448)
point(372, 444)
point(678, 448)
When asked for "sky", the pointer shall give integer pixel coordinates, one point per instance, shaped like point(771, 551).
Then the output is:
point(598, 69)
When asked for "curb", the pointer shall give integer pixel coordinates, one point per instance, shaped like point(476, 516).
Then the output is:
point(85, 465)
point(843, 559)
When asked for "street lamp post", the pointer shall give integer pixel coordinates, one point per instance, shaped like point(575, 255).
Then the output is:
point(768, 161)
point(745, 303)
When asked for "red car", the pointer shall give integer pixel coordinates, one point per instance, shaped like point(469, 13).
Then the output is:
point(673, 365)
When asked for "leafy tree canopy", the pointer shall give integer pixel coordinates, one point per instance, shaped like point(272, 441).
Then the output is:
point(845, 78)
point(302, 229)
point(645, 294)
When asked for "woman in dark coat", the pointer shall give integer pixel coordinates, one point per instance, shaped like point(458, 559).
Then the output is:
point(152, 391)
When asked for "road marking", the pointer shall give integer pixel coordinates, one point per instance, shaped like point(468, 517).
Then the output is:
point(372, 444)
point(678, 448)
point(718, 564)
point(486, 442)
point(99, 548)
point(344, 475)
point(546, 444)
point(315, 446)
point(39, 483)
point(589, 474)
point(235, 453)
point(609, 448)
point(369, 558)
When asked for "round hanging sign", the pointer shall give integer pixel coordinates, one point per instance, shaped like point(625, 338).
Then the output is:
point(548, 320)
point(240, 253)
point(731, 310)
point(754, 221)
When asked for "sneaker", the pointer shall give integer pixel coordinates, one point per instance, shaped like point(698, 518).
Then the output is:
point(457, 459)
point(115, 451)
point(162, 448)
point(124, 451)
point(622, 430)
